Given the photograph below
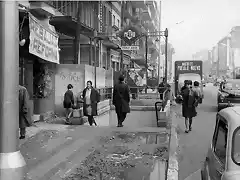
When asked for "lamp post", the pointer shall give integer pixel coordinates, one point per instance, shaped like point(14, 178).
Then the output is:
point(11, 161)
point(157, 34)
point(166, 55)
point(146, 61)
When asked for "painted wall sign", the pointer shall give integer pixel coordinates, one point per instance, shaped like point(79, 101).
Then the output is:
point(188, 66)
point(43, 42)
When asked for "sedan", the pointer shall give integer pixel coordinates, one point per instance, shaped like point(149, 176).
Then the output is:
point(223, 158)
point(228, 94)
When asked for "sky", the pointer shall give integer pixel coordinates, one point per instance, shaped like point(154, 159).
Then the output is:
point(203, 23)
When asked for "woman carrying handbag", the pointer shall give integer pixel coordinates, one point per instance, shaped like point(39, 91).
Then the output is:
point(90, 98)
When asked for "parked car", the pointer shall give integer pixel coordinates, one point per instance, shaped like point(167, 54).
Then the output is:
point(228, 94)
point(223, 157)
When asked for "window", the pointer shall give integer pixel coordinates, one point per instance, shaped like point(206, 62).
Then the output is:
point(118, 23)
point(235, 154)
point(114, 20)
point(220, 144)
point(104, 15)
point(110, 18)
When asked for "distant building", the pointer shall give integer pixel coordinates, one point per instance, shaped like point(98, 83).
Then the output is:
point(201, 55)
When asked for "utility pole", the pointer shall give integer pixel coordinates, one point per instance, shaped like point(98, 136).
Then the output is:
point(218, 60)
point(11, 161)
point(77, 35)
point(166, 54)
point(122, 24)
point(159, 57)
point(146, 61)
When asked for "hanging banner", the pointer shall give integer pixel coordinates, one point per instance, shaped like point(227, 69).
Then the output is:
point(43, 42)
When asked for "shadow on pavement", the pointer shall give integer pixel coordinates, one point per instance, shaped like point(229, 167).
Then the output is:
point(206, 108)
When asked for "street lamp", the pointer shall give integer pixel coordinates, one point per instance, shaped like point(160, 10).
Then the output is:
point(11, 161)
point(158, 34)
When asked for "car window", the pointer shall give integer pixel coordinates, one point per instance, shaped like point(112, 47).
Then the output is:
point(236, 146)
point(231, 85)
point(221, 141)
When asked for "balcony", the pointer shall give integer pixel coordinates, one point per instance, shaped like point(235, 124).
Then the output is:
point(42, 9)
point(139, 4)
point(146, 15)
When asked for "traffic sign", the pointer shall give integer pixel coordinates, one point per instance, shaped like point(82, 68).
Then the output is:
point(130, 48)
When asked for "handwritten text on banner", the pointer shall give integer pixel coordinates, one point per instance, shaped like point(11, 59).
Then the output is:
point(43, 42)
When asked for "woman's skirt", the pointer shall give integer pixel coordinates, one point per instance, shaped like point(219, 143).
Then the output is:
point(188, 112)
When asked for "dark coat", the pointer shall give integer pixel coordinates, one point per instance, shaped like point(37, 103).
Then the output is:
point(189, 103)
point(24, 120)
point(95, 98)
point(121, 98)
point(68, 99)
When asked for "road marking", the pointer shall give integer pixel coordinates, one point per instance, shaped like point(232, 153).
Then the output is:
point(194, 176)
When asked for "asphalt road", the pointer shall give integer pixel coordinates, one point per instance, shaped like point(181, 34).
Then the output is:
point(194, 145)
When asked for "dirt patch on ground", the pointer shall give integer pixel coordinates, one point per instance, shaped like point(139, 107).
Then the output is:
point(128, 156)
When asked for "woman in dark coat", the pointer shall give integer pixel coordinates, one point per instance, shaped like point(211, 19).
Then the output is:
point(24, 121)
point(90, 99)
point(190, 100)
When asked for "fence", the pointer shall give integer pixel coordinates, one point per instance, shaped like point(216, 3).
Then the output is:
point(137, 94)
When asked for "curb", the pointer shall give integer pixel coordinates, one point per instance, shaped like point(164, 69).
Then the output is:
point(172, 170)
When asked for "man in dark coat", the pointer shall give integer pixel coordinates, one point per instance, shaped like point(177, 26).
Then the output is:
point(121, 99)
point(23, 111)
point(91, 98)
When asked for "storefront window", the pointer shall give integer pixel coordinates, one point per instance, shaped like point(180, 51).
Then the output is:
point(42, 80)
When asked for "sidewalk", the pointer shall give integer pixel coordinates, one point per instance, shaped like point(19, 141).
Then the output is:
point(51, 150)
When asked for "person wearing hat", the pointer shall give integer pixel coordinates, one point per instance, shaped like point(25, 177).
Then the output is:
point(121, 99)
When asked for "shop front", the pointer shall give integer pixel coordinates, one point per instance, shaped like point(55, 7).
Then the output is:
point(38, 58)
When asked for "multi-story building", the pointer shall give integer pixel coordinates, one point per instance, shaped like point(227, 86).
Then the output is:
point(145, 16)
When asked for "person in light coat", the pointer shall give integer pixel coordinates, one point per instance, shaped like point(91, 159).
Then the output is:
point(91, 98)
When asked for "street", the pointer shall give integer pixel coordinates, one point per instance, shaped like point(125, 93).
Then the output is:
point(194, 145)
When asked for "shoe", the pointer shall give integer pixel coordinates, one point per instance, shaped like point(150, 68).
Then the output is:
point(190, 128)
point(22, 137)
point(68, 123)
point(186, 131)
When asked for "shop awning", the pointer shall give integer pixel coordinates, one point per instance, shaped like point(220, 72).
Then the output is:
point(111, 45)
point(68, 25)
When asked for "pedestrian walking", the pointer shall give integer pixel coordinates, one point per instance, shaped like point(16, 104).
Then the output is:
point(91, 98)
point(121, 99)
point(162, 88)
point(68, 103)
point(24, 121)
point(198, 91)
point(189, 104)
point(170, 95)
